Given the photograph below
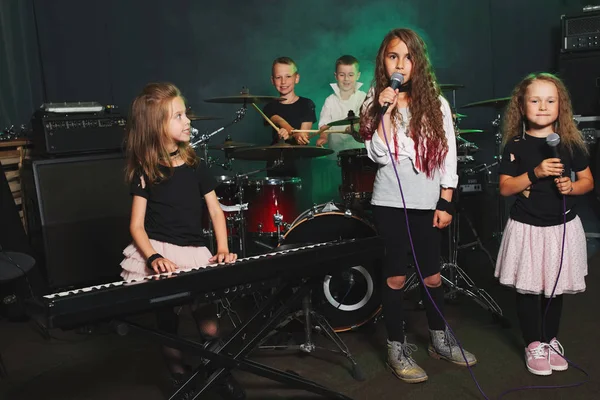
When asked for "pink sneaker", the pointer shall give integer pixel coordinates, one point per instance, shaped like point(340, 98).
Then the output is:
point(557, 362)
point(537, 358)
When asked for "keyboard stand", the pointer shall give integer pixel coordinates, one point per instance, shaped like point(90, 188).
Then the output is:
point(227, 356)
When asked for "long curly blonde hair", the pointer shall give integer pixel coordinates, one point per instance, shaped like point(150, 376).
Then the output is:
point(147, 136)
point(426, 120)
point(514, 116)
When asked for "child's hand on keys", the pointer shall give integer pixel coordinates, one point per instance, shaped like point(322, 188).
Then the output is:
point(223, 256)
point(162, 264)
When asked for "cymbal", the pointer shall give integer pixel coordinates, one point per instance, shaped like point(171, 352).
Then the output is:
point(202, 117)
point(496, 103)
point(244, 99)
point(230, 145)
point(279, 150)
point(451, 86)
point(345, 121)
point(463, 131)
point(459, 115)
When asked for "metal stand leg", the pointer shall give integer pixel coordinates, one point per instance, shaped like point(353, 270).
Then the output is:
point(321, 324)
point(3, 372)
point(477, 242)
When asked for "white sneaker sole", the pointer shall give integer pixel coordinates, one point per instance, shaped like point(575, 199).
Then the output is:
point(540, 373)
point(559, 367)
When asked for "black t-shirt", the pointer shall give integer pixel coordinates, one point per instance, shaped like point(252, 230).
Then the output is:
point(541, 204)
point(302, 110)
point(174, 208)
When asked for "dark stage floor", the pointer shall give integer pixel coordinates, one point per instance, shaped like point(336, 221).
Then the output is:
point(103, 365)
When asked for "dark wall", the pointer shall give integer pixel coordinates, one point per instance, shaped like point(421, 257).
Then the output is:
point(21, 88)
point(106, 51)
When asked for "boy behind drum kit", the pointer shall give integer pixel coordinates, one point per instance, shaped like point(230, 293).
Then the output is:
point(347, 98)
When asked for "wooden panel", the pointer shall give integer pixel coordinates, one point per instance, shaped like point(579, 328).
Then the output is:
point(11, 175)
point(13, 143)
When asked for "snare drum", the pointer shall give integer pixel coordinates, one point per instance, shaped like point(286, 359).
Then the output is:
point(358, 175)
point(270, 200)
point(349, 298)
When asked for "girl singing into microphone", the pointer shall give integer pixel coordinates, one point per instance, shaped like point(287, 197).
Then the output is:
point(530, 254)
point(419, 129)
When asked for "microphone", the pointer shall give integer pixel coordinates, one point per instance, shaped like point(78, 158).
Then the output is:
point(396, 80)
point(553, 140)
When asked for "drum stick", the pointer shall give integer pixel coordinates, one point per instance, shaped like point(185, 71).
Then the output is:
point(265, 117)
point(316, 131)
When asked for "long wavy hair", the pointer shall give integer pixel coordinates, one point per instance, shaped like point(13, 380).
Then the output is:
point(514, 117)
point(148, 140)
point(426, 126)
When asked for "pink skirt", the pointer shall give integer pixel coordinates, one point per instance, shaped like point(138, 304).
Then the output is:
point(185, 257)
point(529, 258)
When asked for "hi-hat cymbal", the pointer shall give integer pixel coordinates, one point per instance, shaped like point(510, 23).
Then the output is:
point(202, 117)
point(244, 99)
point(500, 102)
point(463, 131)
point(230, 145)
point(280, 150)
point(346, 121)
point(451, 86)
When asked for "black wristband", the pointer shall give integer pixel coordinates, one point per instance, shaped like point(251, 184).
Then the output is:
point(150, 259)
point(531, 176)
point(445, 205)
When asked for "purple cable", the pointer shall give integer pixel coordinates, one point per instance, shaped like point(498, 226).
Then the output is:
point(417, 263)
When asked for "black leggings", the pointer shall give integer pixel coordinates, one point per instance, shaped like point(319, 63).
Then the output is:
point(530, 311)
point(391, 226)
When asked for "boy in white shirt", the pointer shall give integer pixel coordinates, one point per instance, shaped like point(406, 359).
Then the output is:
point(327, 176)
point(346, 97)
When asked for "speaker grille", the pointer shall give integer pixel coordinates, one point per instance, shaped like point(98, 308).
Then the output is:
point(583, 25)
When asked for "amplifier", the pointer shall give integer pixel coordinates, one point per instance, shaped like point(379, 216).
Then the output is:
point(60, 133)
point(581, 32)
point(472, 180)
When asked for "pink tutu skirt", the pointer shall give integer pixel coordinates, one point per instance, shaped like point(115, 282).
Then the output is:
point(185, 257)
point(529, 258)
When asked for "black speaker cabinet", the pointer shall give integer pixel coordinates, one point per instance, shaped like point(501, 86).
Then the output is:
point(581, 74)
point(77, 211)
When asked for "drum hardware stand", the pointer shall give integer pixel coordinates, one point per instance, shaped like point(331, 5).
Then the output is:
point(313, 320)
point(278, 221)
point(456, 279)
point(498, 158)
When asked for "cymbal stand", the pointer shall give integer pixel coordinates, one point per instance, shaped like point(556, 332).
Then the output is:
point(496, 123)
point(202, 139)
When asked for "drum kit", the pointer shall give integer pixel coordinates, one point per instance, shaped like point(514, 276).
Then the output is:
point(264, 211)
